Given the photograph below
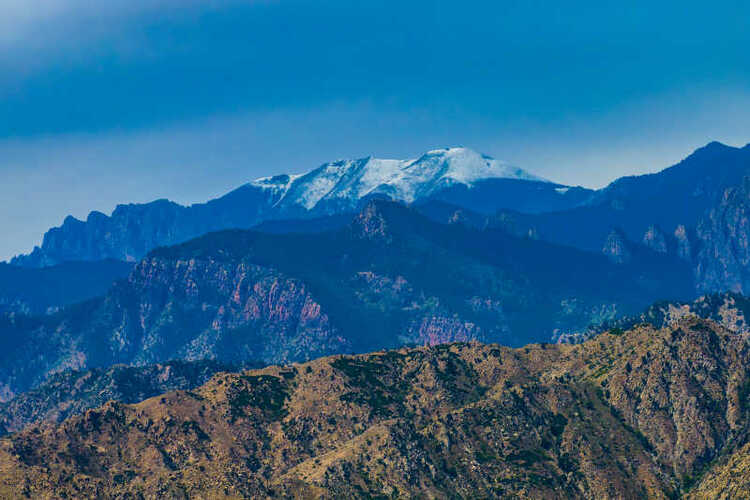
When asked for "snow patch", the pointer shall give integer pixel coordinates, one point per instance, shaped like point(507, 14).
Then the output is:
point(348, 181)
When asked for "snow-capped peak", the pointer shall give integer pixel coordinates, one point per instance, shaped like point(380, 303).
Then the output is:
point(347, 181)
point(466, 166)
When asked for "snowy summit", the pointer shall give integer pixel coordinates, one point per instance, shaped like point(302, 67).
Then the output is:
point(347, 181)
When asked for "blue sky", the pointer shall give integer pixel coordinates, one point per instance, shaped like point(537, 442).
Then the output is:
point(127, 101)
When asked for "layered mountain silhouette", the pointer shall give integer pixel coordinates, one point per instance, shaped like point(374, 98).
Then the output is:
point(671, 200)
point(673, 212)
point(349, 271)
point(391, 277)
point(121, 338)
point(455, 175)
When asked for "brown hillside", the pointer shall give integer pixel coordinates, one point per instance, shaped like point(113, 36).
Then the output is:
point(650, 413)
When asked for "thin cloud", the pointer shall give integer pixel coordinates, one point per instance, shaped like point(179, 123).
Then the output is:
point(43, 21)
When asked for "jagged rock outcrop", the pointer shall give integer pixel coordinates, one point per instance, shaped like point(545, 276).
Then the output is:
point(723, 261)
point(133, 230)
point(730, 310)
point(371, 223)
point(617, 248)
point(655, 239)
point(642, 414)
point(684, 239)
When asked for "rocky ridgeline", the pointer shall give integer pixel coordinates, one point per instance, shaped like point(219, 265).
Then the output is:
point(730, 310)
point(178, 309)
point(648, 413)
point(73, 392)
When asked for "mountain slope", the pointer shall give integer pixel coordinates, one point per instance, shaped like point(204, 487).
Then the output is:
point(455, 174)
point(642, 414)
point(723, 258)
point(681, 211)
point(242, 295)
point(38, 291)
point(730, 310)
point(71, 392)
point(673, 199)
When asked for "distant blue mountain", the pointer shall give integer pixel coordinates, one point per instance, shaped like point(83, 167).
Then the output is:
point(673, 200)
point(663, 212)
point(456, 175)
point(45, 290)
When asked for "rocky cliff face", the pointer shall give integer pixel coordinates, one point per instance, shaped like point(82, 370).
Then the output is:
point(723, 259)
point(617, 248)
point(643, 414)
point(280, 317)
point(177, 309)
point(684, 240)
point(655, 239)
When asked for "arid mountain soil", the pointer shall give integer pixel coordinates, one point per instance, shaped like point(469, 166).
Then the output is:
point(72, 392)
point(645, 413)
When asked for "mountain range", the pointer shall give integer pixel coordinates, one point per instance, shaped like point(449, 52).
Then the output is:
point(681, 211)
point(454, 175)
point(381, 329)
point(647, 413)
point(238, 296)
point(332, 266)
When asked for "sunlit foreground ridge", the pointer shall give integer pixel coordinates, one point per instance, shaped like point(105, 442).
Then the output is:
point(657, 413)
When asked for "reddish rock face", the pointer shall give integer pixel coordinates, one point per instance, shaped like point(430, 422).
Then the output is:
point(184, 309)
point(431, 322)
point(236, 311)
point(392, 277)
point(221, 298)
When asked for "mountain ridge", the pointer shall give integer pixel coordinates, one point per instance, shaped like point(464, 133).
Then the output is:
point(644, 413)
point(134, 229)
point(45, 290)
point(71, 392)
point(675, 200)
point(242, 295)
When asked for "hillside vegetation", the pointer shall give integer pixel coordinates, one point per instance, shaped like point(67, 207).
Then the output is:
point(644, 413)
